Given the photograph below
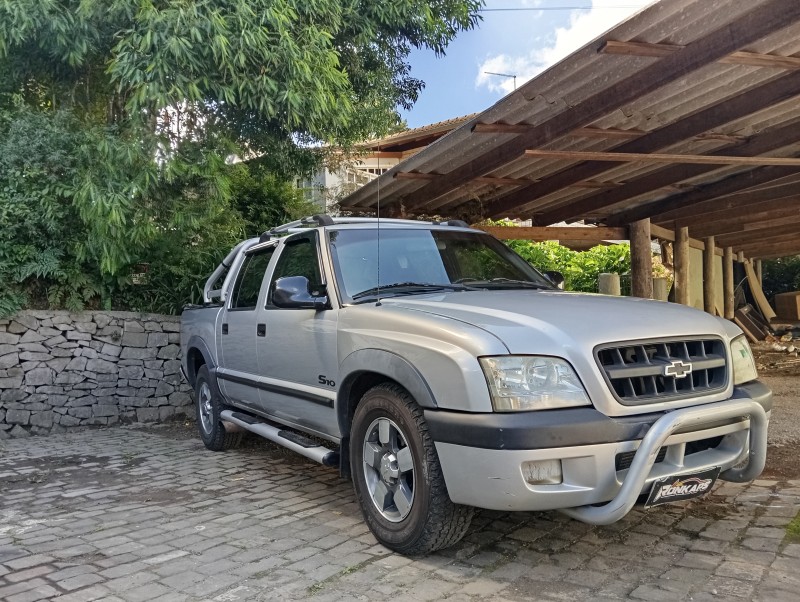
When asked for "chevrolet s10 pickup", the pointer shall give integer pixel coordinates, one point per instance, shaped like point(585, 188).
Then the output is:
point(441, 372)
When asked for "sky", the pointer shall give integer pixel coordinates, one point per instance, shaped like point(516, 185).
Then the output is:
point(515, 42)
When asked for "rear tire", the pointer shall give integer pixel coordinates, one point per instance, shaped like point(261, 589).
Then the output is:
point(208, 408)
point(397, 477)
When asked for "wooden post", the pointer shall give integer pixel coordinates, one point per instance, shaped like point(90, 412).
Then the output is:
point(740, 257)
point(608, 284)
point(641, 259)
point(660, 291)
point(681, 259)
point(727, 282)
point(759, 271)
point(709, 276)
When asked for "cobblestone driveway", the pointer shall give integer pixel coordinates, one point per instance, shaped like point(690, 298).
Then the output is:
point(124, 514)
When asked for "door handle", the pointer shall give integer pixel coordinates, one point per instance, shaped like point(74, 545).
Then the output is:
point(261, 330)
point(224, 329)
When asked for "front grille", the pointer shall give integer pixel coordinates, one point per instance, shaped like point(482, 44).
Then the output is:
point(624, 460)
point(654, 371)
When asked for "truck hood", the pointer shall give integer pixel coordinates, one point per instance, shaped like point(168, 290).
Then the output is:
point(530, 320)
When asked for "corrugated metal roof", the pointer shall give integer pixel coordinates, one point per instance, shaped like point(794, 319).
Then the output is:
point(696, 99)
point(412, 135)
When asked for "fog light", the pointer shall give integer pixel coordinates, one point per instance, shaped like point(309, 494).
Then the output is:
point(543, 472)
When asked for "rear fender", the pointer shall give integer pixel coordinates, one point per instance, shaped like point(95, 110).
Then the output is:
point(198, 345)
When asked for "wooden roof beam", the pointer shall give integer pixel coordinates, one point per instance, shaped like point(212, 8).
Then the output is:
point(415, 175)
point(429, 177)
point(761, 242)
point(748, 221)
point(777, 254)
point(763, 143)
point(587, 132)
point(766, 199)
point(751, 59)
point(724, 187)
point(574, 233)
point(730, 37)
point(591, 132)
point(720, 113)
point(760, 235)
point(782, 246)
point(661, 158)
point(660, 233)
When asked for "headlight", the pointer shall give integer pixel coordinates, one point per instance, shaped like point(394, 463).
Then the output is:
point(530, 382)
point(744, 366)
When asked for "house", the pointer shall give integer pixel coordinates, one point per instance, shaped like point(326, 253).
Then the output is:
point(327, 185)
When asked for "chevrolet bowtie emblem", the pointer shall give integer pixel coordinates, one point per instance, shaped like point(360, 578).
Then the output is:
point(678, 369)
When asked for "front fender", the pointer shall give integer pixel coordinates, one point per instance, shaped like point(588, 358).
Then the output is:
point(383, 363)
point(373, 365)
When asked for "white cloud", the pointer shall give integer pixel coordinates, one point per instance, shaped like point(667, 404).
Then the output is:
point(584, 26)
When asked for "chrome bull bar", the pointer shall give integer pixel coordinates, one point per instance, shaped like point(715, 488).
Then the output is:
point(688, 419)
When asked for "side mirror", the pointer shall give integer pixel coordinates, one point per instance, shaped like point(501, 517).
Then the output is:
point(294, 292)
point(557, 278)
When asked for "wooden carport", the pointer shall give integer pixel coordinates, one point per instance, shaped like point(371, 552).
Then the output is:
point(681, 124)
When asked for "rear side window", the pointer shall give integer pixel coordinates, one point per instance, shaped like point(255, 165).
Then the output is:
point(249, 278)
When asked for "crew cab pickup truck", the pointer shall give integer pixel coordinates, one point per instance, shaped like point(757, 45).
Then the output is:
point(441, 372)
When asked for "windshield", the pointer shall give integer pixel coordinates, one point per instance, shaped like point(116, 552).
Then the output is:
point(415, 261)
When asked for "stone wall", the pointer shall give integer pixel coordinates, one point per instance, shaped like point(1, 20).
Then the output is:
point(61, 369)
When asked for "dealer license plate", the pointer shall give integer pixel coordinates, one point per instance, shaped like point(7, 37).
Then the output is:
point(682, 487)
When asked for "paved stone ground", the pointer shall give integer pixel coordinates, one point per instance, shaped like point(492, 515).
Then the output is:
point(125, 514)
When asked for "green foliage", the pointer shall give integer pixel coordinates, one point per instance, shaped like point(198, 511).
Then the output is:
point(545, 256)
point(264, 200)
point(781, 275)
point(583, 272)
point(581, 269)
point(41, 232)
point(118, 119)
point(256, 71)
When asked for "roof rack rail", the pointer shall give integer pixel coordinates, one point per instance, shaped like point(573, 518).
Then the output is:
point(456, 223)
point(322, 219)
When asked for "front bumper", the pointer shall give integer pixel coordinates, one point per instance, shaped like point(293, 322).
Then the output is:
point(495, 478)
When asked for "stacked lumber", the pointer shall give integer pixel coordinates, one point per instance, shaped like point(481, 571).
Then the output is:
point(752, 323)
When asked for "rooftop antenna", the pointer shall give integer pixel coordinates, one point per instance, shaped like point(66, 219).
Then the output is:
point(378, 269)
point(514, 77)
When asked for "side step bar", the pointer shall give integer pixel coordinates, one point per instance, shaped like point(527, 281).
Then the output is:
point(289, 439)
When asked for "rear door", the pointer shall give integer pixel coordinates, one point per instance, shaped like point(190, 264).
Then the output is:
point(238, 329)
point(297, 352)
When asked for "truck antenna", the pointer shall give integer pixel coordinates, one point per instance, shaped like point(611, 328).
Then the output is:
point(378, 263)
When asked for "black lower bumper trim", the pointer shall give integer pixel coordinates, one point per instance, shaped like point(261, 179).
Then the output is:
point(555, 428)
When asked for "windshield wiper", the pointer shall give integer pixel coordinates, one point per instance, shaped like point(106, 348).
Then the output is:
point(408, 288)
point(506, 283)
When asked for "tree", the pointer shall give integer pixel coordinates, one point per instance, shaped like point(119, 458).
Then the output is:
point(157, 95)
point(781, 275)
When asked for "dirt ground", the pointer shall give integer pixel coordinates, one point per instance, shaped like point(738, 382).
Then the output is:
point(782, 374)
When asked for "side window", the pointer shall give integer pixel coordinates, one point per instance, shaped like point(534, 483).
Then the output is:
point(298, 258)
point(249, 278)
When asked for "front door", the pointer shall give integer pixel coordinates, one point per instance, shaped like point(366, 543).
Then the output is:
point(297, 353)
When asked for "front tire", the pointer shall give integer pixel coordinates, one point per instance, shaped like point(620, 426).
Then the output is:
point(208, 408)
point(397, 477)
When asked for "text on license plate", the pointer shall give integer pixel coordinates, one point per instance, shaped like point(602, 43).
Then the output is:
point(682, 487)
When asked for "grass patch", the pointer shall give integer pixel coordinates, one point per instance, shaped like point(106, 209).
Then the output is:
point(793, 530)
point(319, 586)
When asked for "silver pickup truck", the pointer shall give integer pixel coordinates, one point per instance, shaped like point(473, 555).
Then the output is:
point(441, 372)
